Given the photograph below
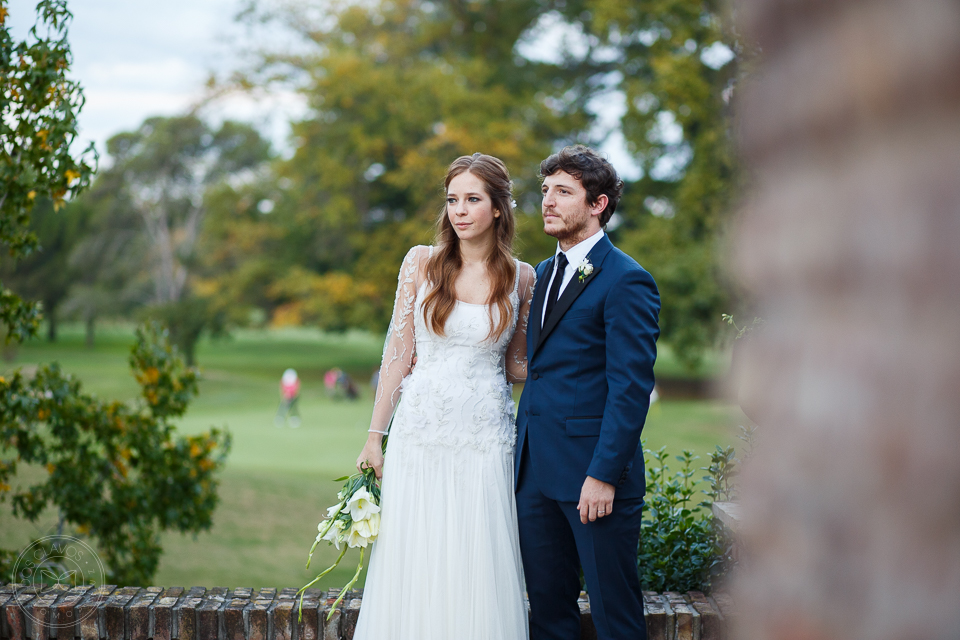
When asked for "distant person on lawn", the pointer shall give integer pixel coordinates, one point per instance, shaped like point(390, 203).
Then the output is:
point(289, 396)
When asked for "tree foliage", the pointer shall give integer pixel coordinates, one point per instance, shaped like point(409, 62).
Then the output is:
point(150, 209)
point(38, 118)
point(163, 170)
point(678, 67)
point(106, 264)
point(396, 91)
point(48, 273)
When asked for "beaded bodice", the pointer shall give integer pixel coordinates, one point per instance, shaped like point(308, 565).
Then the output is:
point(457, 394)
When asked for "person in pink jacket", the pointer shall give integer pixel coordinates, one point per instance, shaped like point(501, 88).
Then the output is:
point(289, 395)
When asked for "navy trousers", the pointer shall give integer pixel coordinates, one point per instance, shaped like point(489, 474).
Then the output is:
point(555, 545)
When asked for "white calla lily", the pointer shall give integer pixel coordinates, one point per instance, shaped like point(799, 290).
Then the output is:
point(334, 534)
point(361, 505)
point(321, 528)
point(374, 523)
point(362, 528)
point(355, 538)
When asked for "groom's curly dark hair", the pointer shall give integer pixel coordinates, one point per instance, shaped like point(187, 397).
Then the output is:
point(594, 171)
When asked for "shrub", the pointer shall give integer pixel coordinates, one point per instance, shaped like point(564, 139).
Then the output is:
point(681, 547)
point(117, 473)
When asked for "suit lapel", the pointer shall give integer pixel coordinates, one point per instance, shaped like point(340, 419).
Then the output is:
point(539, 296)
point(567, 298)
point(573, 290)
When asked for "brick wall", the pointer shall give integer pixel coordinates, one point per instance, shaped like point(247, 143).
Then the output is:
point(219, 613)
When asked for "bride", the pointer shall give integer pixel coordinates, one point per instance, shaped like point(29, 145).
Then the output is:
point(446, 563)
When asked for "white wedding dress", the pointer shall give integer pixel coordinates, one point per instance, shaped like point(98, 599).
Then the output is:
point(446, 564)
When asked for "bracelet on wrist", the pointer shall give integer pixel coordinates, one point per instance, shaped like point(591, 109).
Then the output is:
point(383, 433)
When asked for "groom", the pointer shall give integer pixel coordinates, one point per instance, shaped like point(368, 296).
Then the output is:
point(591, 345)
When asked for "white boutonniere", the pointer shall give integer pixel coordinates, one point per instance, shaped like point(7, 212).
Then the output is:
point(585, 269)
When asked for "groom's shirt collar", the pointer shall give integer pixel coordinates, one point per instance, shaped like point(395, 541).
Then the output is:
point(578, 252)
point(575, 255)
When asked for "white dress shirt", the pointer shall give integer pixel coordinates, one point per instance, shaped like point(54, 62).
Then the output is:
point(575, 256)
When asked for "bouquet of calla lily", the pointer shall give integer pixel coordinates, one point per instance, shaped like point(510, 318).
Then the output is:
point(351, 523)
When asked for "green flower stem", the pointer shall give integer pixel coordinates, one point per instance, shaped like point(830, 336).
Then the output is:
point(312, 549)
point(325, 572)
point(349, 586)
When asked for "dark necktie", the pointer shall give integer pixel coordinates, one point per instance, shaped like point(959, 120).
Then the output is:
point(554, 292)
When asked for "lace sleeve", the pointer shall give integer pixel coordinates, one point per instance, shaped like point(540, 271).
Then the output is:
point(516, 359)
point(398, 350)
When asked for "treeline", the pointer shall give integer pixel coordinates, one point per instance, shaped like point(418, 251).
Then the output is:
point(206, 228)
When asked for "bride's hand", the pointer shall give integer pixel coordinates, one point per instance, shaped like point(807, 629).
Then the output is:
point(372, 455)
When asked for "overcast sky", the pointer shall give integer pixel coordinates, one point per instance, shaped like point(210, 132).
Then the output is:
point(136, 59)
point(139, 58)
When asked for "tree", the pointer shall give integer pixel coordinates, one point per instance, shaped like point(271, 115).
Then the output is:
point(241, 251)
point(166, 166)
point(47, 273)
point(115, 472)
point(111, 261)
point(108, 262)
point(678, 67)
point(38, 111)
point(161, 174)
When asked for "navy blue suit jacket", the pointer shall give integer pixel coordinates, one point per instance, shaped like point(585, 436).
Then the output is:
point(589, 377)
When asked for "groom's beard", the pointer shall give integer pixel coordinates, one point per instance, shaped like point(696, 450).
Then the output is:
point(573, 227)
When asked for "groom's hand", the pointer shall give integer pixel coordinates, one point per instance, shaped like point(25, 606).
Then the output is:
point(596, 500)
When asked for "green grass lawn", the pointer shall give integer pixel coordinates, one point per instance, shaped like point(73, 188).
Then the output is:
point(277, 482)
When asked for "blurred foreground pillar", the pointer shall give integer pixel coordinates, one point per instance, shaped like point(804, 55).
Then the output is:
point(850, 240)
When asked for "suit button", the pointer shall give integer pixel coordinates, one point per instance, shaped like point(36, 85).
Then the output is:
point(535, 376)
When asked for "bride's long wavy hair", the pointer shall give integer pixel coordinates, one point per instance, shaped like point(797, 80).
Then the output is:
point(445, 264)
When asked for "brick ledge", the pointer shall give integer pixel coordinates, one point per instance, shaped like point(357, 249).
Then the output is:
point(218, 613)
